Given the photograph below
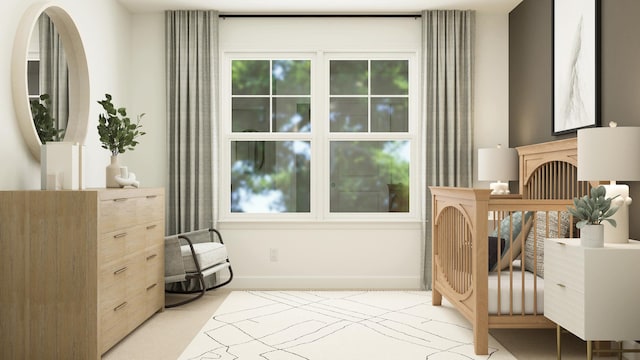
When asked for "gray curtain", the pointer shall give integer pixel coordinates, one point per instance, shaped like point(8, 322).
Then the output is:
point(191, 66)
point(54, 71)
point(448, 51)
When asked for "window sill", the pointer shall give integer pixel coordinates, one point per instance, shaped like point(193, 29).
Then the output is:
point(326, 224)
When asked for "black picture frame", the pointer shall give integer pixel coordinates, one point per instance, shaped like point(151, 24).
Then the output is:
point(576, 65)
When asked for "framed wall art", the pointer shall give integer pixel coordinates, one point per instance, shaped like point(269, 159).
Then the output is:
point(576, 65)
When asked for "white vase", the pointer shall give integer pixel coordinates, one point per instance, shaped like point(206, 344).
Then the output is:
point(113, 170)
point(592, 236)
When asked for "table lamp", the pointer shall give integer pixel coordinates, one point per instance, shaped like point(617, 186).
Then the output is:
point(498, 164)
point(610, 153)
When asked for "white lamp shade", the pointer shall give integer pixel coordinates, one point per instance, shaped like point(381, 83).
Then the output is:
point(497, 164)
point(609, 153)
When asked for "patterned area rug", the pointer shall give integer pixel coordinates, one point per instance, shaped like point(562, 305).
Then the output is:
point(336, 325)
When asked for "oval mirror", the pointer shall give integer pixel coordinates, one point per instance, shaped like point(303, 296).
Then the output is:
point(51, 98)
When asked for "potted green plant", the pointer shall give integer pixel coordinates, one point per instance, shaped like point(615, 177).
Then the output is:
point(117, 134)
point(591, 211)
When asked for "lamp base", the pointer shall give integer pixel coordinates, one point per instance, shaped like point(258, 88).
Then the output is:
point(620, 233)
point(499, 188)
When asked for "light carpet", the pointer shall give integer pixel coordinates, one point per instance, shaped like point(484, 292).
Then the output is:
point(336, 325)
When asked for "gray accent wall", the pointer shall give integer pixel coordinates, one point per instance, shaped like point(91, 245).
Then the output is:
point(531, 76)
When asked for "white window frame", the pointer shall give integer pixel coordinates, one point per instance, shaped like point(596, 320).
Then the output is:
point(319, 136)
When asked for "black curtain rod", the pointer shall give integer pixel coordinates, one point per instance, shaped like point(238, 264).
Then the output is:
point(320, 15)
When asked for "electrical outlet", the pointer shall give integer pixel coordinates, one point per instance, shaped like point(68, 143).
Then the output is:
point(273, 255)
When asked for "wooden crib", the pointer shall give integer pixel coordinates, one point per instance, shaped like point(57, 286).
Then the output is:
point(511, 294)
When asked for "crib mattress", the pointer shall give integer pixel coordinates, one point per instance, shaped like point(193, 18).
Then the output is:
point(513, 285)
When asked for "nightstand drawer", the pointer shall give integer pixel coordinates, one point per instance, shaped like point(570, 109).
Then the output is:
point(564, 264)
point(564, 305)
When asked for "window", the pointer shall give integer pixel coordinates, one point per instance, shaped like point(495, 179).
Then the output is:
point(339, 146)
point(269, 174)
point(369, 97)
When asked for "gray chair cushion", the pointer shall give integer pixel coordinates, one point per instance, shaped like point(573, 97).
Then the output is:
point(208, 254)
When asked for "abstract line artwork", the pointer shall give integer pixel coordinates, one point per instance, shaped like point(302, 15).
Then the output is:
point(319, 325)
point(575, 65)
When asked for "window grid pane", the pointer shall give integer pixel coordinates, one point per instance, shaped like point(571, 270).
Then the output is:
point(369, 176)
point(387, 94)
point(271, 96)
point(270, 176)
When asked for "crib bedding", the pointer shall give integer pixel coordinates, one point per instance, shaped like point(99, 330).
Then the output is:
point(510, 286)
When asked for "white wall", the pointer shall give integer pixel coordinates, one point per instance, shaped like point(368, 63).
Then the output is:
point(104, 26)
point(147, 95)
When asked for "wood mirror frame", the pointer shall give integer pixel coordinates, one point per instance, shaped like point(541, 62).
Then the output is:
point(78, 75)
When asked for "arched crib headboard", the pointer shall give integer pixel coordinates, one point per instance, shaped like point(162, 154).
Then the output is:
point(550, 170)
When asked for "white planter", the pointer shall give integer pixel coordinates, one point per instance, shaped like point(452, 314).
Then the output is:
point(60, 166)
point(592, 236)
point(113, 170)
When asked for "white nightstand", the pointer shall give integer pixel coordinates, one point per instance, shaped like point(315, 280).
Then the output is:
point(593, 292)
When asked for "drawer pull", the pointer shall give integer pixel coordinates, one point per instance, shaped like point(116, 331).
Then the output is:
point(121, 235)
point(151, 227)
point(152, 196)
point(561, 243)
point(151, 286)
point(120, 271)
point(151, 256)
point(120, 200)
point(562, 285)
point(121, 306)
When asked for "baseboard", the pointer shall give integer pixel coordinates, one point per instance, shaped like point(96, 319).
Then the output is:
point(324, 283)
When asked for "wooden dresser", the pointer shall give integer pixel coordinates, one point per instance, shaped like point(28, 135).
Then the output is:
point(79, 270)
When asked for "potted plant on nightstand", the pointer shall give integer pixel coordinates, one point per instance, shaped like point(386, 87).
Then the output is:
point(591, 210)
point(117, 134)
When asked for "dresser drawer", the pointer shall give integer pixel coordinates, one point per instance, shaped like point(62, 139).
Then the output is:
point(154, 234)
point(154, 264)
point(118, 244)
point(118, 213)
point(112, 281)
point(151, 206)
point(154, 298)
point(137, 313)
point(114, 326)
point(121, 270)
